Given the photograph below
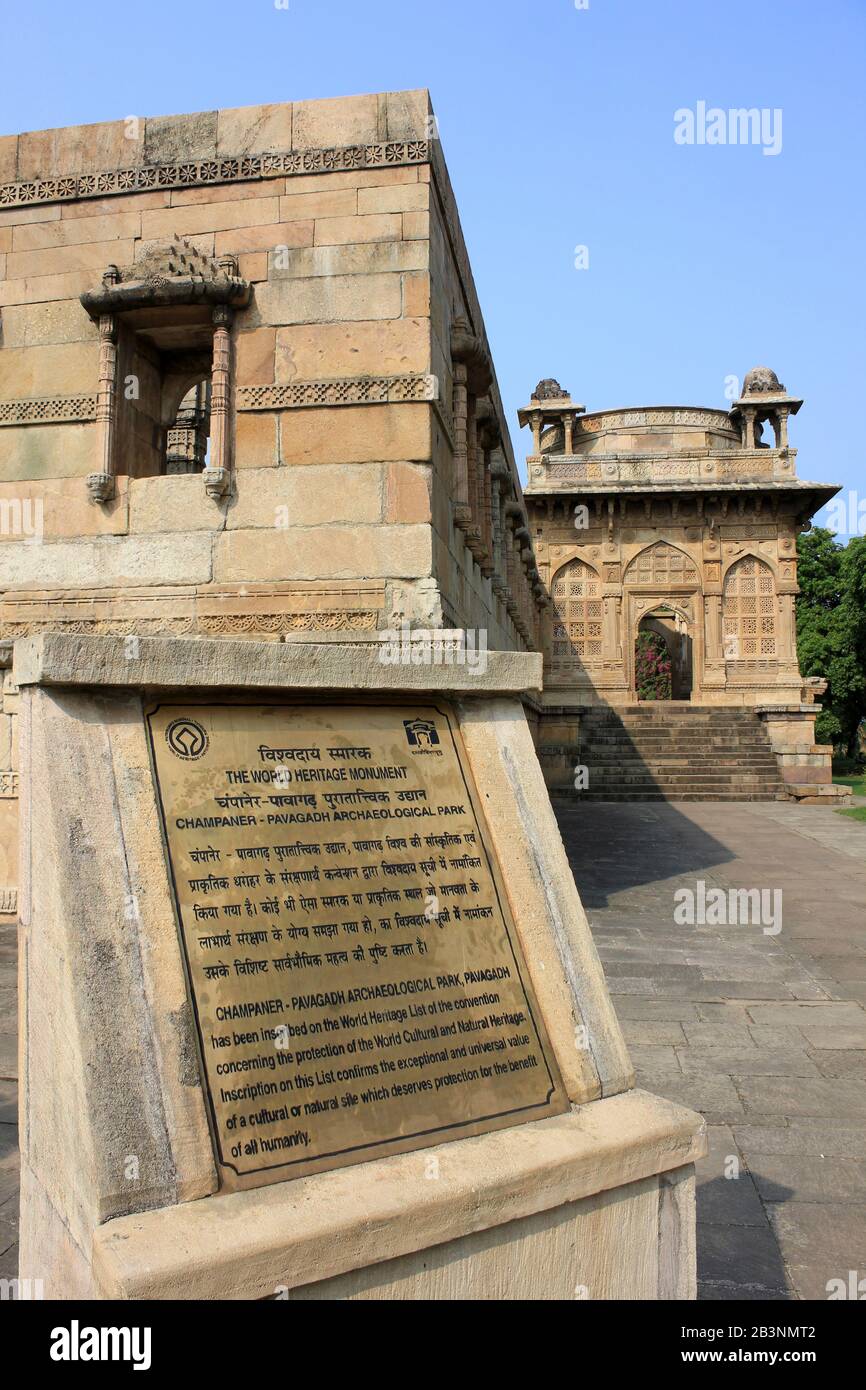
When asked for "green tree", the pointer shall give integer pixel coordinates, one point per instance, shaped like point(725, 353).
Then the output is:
point(831, 631)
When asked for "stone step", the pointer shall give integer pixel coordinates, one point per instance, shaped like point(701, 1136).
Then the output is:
point(663, 754)
point(673, 760)
point(671, 752)
point(685, 769)
point(691, 734)
point(675, 745)
point(660, 796)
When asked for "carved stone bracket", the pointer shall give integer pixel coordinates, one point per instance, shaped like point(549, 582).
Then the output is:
point(100, 487)
point(217, 482)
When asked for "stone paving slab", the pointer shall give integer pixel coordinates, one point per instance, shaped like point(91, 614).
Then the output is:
point(765, 1033)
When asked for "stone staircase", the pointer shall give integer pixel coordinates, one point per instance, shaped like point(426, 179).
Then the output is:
point(667, 751)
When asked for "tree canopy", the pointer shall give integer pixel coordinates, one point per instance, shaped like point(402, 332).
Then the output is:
point(831, 631)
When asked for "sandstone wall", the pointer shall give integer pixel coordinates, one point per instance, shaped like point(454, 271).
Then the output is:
point(340, 216)
point(340, 514)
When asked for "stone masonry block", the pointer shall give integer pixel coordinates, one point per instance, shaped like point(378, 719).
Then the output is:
point(172, 139)
point(315, 495)
point(355, 434)
point(108, 561)
point(339, 121)
point(339, 231)
point(255, 129)
point(390, 346)
point(323, 300)
point(354, 552)
point(209, 217)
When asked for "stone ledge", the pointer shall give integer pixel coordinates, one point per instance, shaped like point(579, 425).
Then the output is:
point(787, 711)
point(249, 1244)
point(154, 663)
point(819, 793)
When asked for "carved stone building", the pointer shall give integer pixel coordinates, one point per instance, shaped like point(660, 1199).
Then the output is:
point(681, 523)
point(245, 390)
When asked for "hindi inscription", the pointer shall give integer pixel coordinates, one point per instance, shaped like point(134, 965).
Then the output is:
point(356, 977)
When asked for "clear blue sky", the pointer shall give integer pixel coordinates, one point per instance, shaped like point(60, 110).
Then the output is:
point(557, 125)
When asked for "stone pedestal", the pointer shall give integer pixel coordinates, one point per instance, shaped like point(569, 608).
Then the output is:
point(806, 766)
point(123, 1191)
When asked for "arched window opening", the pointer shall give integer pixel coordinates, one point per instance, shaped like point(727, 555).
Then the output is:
point(577, 608)
point(749, 611)
point(188, 438)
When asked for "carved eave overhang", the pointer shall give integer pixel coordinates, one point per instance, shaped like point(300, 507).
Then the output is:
point(549, 408)
point(472, 352)
point(765, 401)
point(169, 277)
point(565, 487)
point(145, 294)
point(166, 293)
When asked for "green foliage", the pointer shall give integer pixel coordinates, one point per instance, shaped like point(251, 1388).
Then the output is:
point(652, 667)
point(831, 632)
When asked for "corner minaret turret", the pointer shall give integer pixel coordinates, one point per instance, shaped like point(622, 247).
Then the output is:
point(764, 399)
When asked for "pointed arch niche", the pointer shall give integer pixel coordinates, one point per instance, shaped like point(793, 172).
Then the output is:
point(578, 618)
point(662, 591)
point(750, 624)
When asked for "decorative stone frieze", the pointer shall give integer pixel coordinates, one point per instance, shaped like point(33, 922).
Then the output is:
point(48, 410)
point(203, 172)
point(302, 395)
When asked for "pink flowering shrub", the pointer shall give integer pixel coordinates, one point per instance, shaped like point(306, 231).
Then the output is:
point(652, 667)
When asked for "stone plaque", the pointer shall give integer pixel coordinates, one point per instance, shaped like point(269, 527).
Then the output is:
point(356, 977)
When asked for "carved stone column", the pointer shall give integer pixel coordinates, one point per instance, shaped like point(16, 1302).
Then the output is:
point(472, 531)
point(462, 512)
point(488, 440)
point(101, 485)
point(787, 627)
point(511, 566)
point(472, 377)
point(498, 486)
point(568, 425)
point(217, 477)
point(713, 627)
point(611, 646)
point(536, 420)
point(749, 427)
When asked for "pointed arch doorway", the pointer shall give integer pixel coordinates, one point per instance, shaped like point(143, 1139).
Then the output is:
point(666, 632)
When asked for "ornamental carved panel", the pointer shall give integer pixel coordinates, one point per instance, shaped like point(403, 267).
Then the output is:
point(662, 565)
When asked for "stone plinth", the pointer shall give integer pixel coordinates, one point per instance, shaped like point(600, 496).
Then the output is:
point(121, 1191)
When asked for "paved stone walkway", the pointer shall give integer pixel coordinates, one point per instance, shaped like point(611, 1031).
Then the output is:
point(765, 1034)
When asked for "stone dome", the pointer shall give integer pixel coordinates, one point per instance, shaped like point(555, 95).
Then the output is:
point(549, 390)
point(761, 381)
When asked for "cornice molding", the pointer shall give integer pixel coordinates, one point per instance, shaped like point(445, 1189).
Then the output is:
point(201, 172)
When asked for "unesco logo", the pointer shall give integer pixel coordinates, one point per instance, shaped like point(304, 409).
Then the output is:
point(420, 733)
point(187, 739)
